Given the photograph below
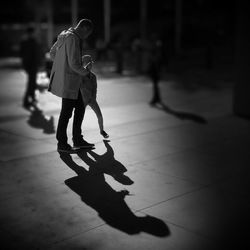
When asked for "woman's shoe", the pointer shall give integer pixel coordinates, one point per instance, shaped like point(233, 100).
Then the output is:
point(65, 148)
point(83, 144)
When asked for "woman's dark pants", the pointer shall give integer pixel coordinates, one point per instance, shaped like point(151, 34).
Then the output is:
point(68, 105)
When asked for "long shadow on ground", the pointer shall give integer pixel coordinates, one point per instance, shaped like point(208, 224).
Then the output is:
point(109, 203)
point(180, 114)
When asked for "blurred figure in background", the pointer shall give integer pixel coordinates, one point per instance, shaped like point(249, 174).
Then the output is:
point(100, 46)
point(30, 53)
point(136, 48)
point(119, 48)
point(154, 67)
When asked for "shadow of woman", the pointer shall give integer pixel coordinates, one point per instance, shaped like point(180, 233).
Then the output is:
point(181, 114)
point(109, 203)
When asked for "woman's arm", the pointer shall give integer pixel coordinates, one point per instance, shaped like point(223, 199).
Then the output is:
point(52, 51)
point(74, 56)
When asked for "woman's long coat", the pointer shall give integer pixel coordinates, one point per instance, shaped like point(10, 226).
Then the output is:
point(67, 70)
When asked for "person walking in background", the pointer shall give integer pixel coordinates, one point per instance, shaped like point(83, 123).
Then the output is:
point(100, 46)
point(30, 53)
point(88, 90)
point(65, 80)
point(136, 48)
point(154, 70)
point(118, 45)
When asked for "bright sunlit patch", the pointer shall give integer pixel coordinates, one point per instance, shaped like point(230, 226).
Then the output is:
point(42, 79)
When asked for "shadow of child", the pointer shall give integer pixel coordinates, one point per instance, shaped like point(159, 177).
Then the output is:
point(106, 163)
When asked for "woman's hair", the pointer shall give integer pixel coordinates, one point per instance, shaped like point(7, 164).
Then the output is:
point(86, 59)
point(85, 23)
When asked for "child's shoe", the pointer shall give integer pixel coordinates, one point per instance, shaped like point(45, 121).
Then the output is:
point(104, 134)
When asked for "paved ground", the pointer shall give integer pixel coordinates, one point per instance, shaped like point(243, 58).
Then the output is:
point(169, 178)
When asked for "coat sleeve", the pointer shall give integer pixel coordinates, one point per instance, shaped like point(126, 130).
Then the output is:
point(52, 51)
point(74, 56)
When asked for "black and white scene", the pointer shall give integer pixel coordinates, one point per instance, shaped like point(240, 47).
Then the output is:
point(124, 125)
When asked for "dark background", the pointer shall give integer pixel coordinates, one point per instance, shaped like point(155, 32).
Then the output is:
point(214, 35)
point(202, 21)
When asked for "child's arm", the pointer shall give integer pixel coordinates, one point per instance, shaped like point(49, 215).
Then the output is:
point(88, 66)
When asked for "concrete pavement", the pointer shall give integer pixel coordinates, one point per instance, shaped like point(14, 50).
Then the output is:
point(173, 178)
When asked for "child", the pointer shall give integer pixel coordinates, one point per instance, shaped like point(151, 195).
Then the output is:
point(88, 90)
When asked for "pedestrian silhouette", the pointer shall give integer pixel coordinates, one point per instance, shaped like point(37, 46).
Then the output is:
point(30, 53)
point(119, 48)
point(154, 66)
point(100, 46)
point(136, 49)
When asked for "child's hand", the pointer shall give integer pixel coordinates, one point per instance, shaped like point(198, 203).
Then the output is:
point(88, 66)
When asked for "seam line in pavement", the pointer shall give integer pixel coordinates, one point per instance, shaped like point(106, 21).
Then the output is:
point(177, 196)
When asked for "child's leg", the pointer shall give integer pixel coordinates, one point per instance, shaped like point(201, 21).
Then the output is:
point(94, 105)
